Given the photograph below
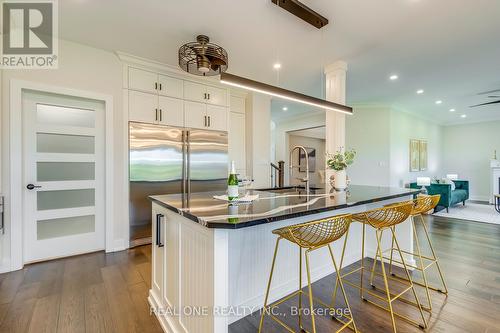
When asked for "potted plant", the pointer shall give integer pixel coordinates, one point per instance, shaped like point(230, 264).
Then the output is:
point(339, 163)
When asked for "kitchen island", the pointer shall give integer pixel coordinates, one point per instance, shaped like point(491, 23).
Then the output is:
point(211, 260)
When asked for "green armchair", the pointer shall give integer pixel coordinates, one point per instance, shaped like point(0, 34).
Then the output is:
point(448, 197)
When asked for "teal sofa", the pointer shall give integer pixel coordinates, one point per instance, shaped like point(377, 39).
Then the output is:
point(448, 197)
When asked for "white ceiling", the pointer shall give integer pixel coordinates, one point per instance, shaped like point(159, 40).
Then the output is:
point(449, 48)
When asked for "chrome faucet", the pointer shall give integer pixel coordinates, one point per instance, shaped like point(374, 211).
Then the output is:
point(306, 178)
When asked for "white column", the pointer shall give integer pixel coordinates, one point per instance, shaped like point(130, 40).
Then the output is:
point(335, 85)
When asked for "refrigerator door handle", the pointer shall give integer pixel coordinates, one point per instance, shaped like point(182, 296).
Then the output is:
point(188, 164)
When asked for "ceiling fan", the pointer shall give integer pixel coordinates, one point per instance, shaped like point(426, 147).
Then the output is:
point(490, 96)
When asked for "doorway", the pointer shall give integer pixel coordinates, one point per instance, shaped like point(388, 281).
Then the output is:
point(63, 175)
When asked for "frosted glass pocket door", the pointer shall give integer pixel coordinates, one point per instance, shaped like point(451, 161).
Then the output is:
point(63, 174)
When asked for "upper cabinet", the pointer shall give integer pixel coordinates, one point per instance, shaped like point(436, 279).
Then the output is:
point(205, 94)
point(142, 80)
point(154, 83)
point(169, 86)
point(237, 104)
point(161, 99)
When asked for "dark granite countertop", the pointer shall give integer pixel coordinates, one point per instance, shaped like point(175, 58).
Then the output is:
point(272, 206)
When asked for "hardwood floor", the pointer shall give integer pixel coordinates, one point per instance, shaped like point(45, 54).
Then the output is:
point(107, 292)
point(470, 256)
point(95, 292)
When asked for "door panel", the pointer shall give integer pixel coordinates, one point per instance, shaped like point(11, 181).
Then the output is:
point(195, 115)
point(195, 91)
point(171, 87)
point(217, 117)
point(171, 111)
point(207, 162)
point(142, 80)
point(143, 107)
point(216, 96)
point(63, 148)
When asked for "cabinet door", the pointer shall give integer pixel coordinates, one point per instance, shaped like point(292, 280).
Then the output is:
point(195, 92)
point(158, 253)
point(172, 258)
point(142, 80)
point(217, 117)
point(169, 86)
point(236, 139)
point(143, 107)
point(216, 96)
point(171, 111)
point(237, 104)
point(195, 115)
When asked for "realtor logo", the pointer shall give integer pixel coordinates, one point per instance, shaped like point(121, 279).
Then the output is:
point(29, 34)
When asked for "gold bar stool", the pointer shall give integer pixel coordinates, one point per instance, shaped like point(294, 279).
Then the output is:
point(421, 205)
point(383, 219)
point(311, 236)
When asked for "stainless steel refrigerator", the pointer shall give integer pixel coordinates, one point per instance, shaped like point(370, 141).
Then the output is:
point(170, 160)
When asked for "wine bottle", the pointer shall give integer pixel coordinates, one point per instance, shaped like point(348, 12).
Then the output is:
point(232, 184)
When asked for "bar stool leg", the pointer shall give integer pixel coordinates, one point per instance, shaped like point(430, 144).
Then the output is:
point(311, 304)
point(421, 264)
point(434, 256)
point(337, 269)
point(264, 310)
point(409, 279)
point(392, 253)
point(372, 274)
point(379, 234)
point(300, 288)
point(362, 261)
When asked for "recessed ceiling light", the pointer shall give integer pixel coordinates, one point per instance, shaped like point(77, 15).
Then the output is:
point(393, 77)
point(277, 65)
point(285, 108)
point(439, 102)
point(464, 116)
point(420, 91)
point(452, 110)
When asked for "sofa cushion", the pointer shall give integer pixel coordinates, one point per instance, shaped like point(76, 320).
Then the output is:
point(458, 196)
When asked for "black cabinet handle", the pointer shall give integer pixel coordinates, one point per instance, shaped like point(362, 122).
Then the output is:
point(160, 114)
point(156, 116)
point(208, 121)
point(158, 230)
point(160, 86)
point(205, 121)
point(208, 96)
point(156, 85)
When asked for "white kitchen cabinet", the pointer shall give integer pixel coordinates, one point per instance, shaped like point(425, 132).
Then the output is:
point(237, 104)
point(203, 116)
point(195, 115)
point(217, 117)
point(169, 86)
point(205, 94)
point(158, 252)
point(143, 107)
point(171, 111)
point(216, 96)
point(236, 139)
point(170, 296)
point(142, 80)
point(195, 92)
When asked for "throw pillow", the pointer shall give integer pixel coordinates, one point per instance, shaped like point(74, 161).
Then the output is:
point(449, 181)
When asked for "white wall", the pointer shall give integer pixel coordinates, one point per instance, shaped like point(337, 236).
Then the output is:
point(381, 136)
point(258, 138)
point(404, 127)
point(467, 152)
point(84, 68)
point(368, 132)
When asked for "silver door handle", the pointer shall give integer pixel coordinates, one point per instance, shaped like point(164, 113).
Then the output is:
point(32, 187)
